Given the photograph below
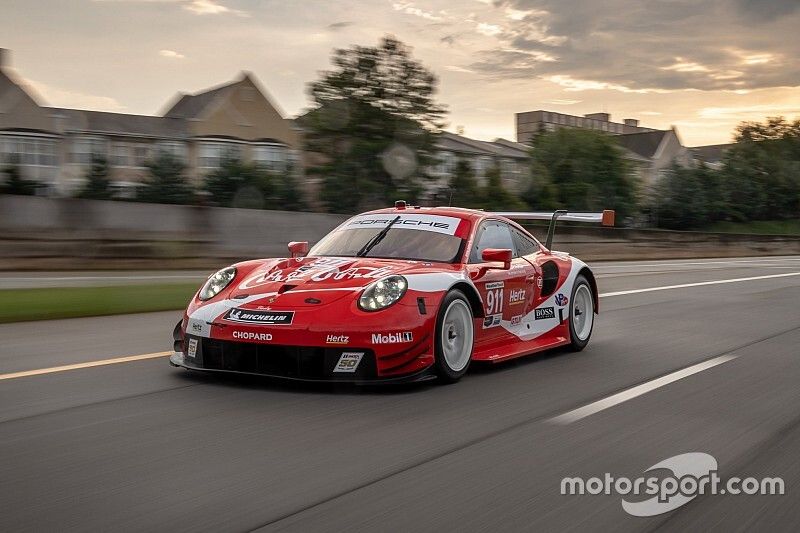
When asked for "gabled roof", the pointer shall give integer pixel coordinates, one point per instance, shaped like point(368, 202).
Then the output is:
point(460, 144)
point(122, 123)
point(644, 144)
point(192, 106)
point(711, 153)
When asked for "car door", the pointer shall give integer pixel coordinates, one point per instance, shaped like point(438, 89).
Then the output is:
point(504, 292)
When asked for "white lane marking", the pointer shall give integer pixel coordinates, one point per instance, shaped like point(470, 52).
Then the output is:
point(695, 263)
point(161, 354)
point(698, 284)
point(628, 394)
point(89, 364)
point(103, 278)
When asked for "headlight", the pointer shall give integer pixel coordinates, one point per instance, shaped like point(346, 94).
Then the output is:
point(217, 282)
point(383, 293)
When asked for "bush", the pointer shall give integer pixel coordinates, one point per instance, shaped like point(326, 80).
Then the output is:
point(166, 183)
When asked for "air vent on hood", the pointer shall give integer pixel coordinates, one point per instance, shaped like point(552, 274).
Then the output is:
point(285, 288)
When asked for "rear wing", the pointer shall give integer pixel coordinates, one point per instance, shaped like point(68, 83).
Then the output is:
point(606, 218)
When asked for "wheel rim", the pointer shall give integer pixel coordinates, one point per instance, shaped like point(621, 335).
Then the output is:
point(582, 312)
point(457, 335)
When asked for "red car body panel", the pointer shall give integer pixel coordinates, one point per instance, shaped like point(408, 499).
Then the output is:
point(309, 305)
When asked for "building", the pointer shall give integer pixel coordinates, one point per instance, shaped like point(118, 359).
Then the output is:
point(55, 146)
point(711, 155)
point(530, 123)
point(651, 153)
point(512, 158)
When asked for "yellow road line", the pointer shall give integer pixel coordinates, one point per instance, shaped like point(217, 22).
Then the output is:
point(89, 364)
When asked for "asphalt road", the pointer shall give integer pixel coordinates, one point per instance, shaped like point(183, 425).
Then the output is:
point(146, 447)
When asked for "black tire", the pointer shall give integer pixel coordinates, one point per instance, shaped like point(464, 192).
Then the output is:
point(579, 342)
point(444, 370)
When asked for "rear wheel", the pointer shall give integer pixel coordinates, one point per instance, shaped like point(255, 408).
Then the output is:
point(581, 314)
point(454, 337)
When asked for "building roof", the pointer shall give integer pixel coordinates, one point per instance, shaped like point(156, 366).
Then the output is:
point(644, 144)
point(193, 105)
point(712, 153)
point(121, 123)
point(501, 147)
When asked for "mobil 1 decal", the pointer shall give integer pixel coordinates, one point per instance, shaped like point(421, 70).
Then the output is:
point(494, 304)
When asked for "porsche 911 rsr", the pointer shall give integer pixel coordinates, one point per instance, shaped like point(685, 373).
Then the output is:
point(400, 294)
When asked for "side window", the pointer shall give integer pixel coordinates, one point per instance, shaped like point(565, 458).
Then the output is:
point(491, 234)
point(525, 245)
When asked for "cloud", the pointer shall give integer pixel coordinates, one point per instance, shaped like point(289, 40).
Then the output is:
point(646, 45)
point(489, 29)
point(455, 68)
point(67, 98)
point(748, 112)
point(409, 9)
point(336, 26)
point(198, 7)
point(171, 54)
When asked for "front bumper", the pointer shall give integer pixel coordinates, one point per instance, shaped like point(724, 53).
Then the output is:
point(297, 363)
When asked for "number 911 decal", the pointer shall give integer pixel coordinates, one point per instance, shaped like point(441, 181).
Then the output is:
point(494, 304)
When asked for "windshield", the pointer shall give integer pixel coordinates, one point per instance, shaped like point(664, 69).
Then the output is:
point(398, 243)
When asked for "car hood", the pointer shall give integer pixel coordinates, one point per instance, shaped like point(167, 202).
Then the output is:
point(318, 280)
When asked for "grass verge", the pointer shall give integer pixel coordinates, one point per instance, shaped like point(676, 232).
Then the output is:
point(759, 227)
point(17, 305)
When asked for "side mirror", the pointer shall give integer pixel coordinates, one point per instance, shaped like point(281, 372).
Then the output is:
point(298, 248)
point(498, 255)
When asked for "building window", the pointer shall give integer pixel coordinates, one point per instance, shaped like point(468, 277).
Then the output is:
point(482, 165)
point(29, 151)
point(84, 148)
point(121, 155)
point(446, 165)
point(270, 156)
point(141, 154)
point(212, 154)
point(176, 149)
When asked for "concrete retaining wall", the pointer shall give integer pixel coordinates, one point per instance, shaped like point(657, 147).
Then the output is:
point(68, 233)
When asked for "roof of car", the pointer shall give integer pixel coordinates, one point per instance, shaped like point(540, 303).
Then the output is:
point(459, 212)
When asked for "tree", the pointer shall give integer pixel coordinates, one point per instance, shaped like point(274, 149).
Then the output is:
point(166, 183)
point(462, 191)
point(541, 192)
point(98, 184)
point(682, 200)
point(586, 169)
point(239, 184)
point(373, 125)
point(290, 198)
point(494, 197)
point(14, 182)
point(763, 170)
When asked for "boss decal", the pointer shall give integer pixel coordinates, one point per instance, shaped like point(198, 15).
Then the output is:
point(267, 318)
point(543, 313)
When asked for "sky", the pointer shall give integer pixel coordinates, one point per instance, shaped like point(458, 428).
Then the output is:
point(701, 66)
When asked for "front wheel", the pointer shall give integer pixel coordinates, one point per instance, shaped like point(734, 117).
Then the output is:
point(454, 337)
point(581, 314)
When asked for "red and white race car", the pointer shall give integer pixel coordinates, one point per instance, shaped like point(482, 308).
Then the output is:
point(402, 294)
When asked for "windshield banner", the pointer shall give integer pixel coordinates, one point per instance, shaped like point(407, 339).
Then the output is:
point(435, 223)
